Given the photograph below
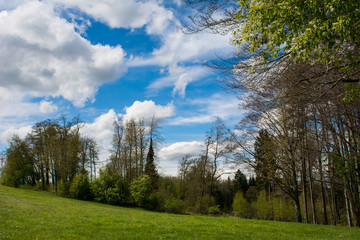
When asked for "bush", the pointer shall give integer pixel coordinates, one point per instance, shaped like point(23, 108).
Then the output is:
point(174, 205)
point(241, 206)
point(141, 189)
point(214, 210)
point(64, 188)
point(203, 203)
point(80, 188)
point(264, 208)
point(110, 188)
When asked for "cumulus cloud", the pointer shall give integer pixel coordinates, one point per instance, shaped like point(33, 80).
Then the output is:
point(13, 103)
point(6, 136)
point(125, 13)
point(169, 156)
point(42, 55)
point(176, 151)
point(147, 110)
point(101, 130)
point(47, 107)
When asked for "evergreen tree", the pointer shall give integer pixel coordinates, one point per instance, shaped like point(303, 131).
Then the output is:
point(150, 168)
point(240, 182)
point(265, 159)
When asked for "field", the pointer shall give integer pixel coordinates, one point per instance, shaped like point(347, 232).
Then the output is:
point(26, 214)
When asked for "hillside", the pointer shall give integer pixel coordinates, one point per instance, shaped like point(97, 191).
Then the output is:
point(26, 214)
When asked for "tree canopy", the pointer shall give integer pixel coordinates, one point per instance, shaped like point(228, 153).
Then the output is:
point(325, 31)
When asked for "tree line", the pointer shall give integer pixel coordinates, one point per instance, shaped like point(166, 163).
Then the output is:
point(297, 70)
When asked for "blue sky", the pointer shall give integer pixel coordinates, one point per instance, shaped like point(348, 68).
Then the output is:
point(106, 58)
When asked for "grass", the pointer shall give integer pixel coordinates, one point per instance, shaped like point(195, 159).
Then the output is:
point(26, 214)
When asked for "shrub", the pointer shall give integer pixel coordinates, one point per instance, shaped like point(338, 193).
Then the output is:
point(241, 206)
point(174, 205)
point(110, 188)
point(80, 188)
point(141, 189)
point(203, 203)
point(264, 208)
point(64, 188)
point(214, 210)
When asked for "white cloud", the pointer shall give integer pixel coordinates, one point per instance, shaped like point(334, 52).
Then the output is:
point(42, 55)
point(223, 106)
point(12, 103)
point(101, 130)
point(9, 133)
point(147, 110)
point(125, 13)
point(179, 77)
point(176, 151)
point(180, 47)
point(6, 4)
point(47, 107)
point(169, 156)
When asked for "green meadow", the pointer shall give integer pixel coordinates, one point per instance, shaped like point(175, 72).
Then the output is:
point(27, 214)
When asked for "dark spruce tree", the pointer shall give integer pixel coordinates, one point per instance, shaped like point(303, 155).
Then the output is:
point(150, 168)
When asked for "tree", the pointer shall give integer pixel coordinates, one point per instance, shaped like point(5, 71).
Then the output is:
point(240, 182)
point(217, 147)
point(316, 31)
point(141, 189)
point(19, 168)
point(80, 188)
point(241, 206)
point(265, 159)
point(150, 168)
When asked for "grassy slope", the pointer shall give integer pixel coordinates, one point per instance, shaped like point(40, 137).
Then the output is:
point(26, 214)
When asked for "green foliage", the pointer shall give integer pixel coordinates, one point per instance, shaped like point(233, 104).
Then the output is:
point(265, 158)
point(315, 30)
point(19, 169)
point(64, 188)
point(241, 206)
point(141, 190)
point(214, 210)
point(352, 92)
point(150, 168)
point(283, 209)
point(264, 207)
point(203, 203)
point(110, 188)
point(174, 205)
point(240, 182)
point(80, 188)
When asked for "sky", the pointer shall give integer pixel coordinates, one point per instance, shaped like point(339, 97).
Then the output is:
point(103, 59)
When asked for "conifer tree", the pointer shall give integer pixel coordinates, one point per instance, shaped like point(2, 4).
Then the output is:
point(150, 168)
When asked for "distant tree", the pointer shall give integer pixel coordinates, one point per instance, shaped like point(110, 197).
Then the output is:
point(265, 159)
point(80, 188)
point(241, 206)
point(264, 206)
point(150, 168)
point(240, 182)
point(19, 168)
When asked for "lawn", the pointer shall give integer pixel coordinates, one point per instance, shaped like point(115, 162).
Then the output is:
point(26, 214)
